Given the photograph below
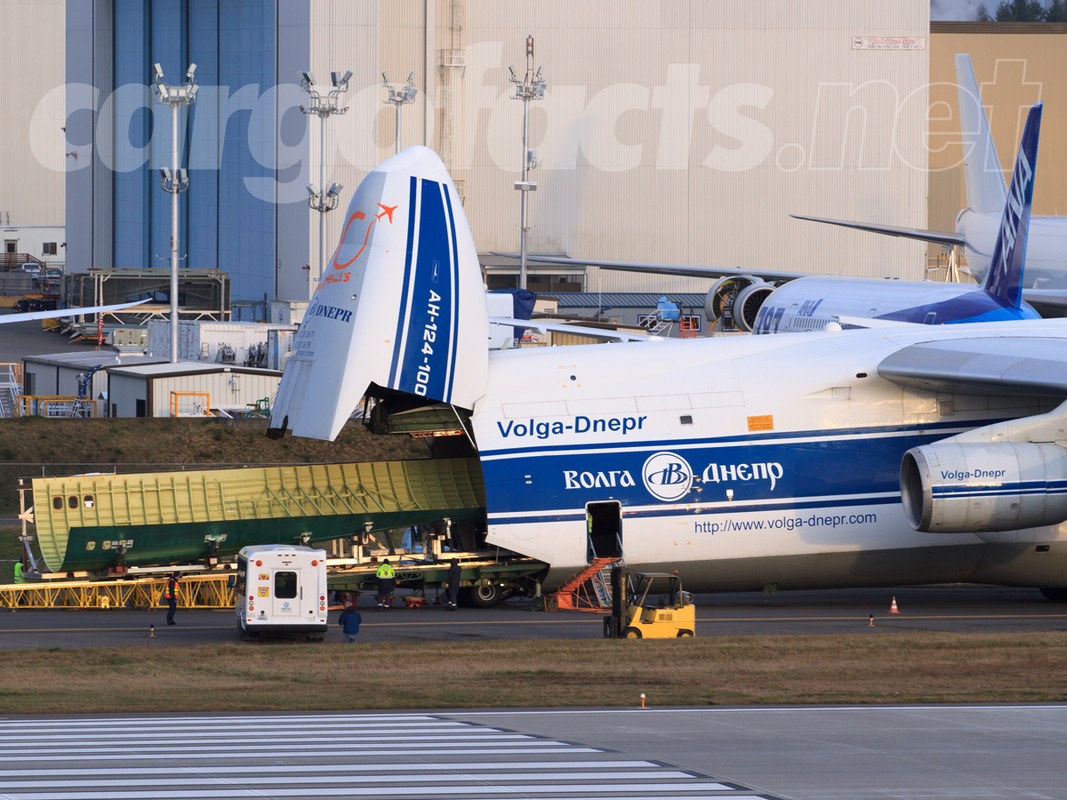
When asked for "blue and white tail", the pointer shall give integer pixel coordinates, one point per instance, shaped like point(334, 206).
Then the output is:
point(1004, 281)
point(401, 306)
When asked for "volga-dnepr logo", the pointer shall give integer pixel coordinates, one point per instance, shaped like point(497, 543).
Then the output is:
point(667, 476)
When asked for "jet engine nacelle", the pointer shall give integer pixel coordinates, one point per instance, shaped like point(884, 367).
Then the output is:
point(727, 300)
point(748, 303)
point(952, 487)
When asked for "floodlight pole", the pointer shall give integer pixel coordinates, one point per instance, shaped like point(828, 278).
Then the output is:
point(174, 180)
point(324, 200)
point(531, 87)
point(399, 97)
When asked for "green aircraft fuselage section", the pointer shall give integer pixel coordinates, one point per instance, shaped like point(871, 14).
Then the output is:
point(91, 522)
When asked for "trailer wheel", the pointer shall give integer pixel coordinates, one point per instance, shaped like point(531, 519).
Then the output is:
point(485, 595)
point(632, 633)
point(685, 634)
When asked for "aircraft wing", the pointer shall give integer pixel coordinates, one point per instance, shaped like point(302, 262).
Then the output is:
point(581, 330)
point(937, 237)
point(682, 270)
point(984, 366)
point(29, 316)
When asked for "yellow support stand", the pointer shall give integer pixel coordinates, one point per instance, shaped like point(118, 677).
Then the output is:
point(194, 591)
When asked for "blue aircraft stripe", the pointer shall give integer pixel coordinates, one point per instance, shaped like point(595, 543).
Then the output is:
point(1008, 490)
point(426, 324)
point(409, 259)
point(453, 338)
point(674, 511)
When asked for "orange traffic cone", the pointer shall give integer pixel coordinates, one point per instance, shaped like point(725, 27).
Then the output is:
point(893, 607)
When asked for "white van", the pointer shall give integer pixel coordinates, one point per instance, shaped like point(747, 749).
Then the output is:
point(281, 589)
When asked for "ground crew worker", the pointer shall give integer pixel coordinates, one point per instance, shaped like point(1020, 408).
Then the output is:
point(170, 594)
point(349, 621)
point(386, 579)
point(455, 572)
point(19, 577)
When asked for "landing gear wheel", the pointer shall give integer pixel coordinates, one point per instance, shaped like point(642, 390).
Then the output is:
point(685, 634)
point(632, 633)
point(485, 595)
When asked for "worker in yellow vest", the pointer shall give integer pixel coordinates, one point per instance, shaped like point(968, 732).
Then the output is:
point(386, 579)
point(170, 594)
point(19, 576)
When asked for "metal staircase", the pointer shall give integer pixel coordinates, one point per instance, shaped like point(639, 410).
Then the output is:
point(588, 590)
point(656, 325)
point(10, 389)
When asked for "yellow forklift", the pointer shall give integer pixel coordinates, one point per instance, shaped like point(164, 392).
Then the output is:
point(656, 608)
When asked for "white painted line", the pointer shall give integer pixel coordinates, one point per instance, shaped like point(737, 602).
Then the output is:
point(502, 778)
point(238, 719)
point(474, 736)
point(169, 756)
point(530, 791)
point(321, 768)
point(252, 736)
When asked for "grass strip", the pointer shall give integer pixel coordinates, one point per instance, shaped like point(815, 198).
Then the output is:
point(883, 667)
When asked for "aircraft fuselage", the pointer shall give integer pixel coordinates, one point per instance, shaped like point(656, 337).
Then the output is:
point(744, 462)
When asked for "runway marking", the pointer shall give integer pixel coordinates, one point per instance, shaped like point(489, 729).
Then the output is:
point(530, 790)
point(248, 721)
point(432, 757)
point(467, 766)
point(275, 753)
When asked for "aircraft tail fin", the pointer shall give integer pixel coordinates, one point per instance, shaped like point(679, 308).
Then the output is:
point(401, 306)
point(1005, 277)
point(981, 165)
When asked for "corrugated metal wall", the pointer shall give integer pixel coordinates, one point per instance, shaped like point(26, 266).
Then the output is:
point(677, 131)
point(1015, 65)
point(32, 102)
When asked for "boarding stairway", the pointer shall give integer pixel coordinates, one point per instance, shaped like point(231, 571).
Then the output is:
point(588, 590)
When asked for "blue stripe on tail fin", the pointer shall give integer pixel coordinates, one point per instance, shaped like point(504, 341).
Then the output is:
point(1005, 278)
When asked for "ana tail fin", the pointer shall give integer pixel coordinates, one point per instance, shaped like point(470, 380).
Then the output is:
point(981, 165)
point(402, 304)
point(1005, 278)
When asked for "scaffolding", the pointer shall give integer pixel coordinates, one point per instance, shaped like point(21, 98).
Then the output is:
point(57, 405)
point(190, 404)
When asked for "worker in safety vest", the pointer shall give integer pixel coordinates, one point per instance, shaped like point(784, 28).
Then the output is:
point(19, 577)
point(170, 594)
point(386, 579)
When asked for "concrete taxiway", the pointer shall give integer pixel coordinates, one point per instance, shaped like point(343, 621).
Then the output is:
point(782, 753)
